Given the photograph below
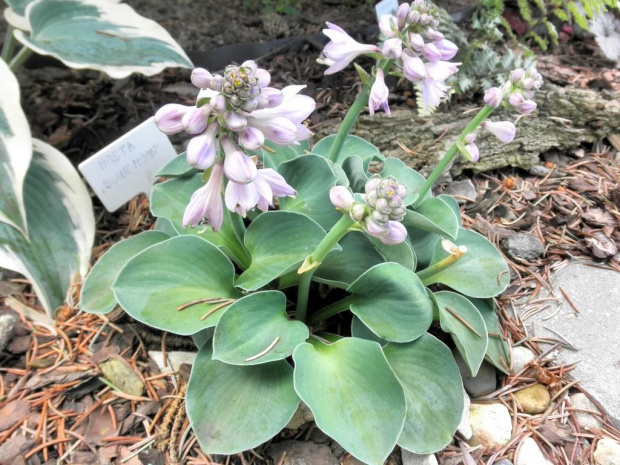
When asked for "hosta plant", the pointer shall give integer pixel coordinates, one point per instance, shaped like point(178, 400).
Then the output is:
point(326, 274)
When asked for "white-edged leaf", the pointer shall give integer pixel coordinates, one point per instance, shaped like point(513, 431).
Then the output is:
point(15, 151)
point(61, 223)
point(15, 14)
point(102, 35)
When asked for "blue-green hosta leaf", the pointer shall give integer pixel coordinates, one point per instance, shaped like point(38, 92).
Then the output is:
point(407, 176)
point(236, 408)
point(102, 35)
point(61, 227)
point(353, 167)
point(399, 253)
point(481, 272)
point(392, 301)
point(15, 152)
point(434, 392)
point(165, 226)
point(459, 317)
point(341, 268)
point(169, 199)
point(454, 205)
point(274, 155)
point(434, 215)
point(423, 243)
point(353, 394)
point(15, 14)
point(278, 241)
point(361, 331)
point(256, 329)
point(498, 352)
point(312, 177)
point(177, 167)
point(96, 294)
point(183, 269)
point(353, 146)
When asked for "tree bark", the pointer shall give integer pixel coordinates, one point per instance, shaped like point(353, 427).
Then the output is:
point(566, 117)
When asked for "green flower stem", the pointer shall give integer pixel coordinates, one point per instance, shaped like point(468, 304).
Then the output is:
point(237, 247)
point(20, 58)
point(452, 152)
point(9, 45)
point(353, 114)
point(289, 279)
point(331, 310)
point(426, 274)
point(310, 264)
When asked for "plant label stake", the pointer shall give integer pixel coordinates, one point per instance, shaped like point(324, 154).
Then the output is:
point(128, 166)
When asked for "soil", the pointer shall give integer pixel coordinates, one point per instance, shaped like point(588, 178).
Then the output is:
point(80, 112)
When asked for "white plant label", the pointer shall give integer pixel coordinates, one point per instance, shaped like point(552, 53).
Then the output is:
point(127, 166)
point(386, 7)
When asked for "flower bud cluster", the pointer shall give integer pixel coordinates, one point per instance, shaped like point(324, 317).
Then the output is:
point(382, 210)
point(235, 113)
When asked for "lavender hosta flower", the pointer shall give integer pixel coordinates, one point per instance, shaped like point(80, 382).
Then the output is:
point(284, 124)
point(521, 105)
point(341, 198)
point(474, 153)
point(379, 94)
point(402, 14)
point(195, 120)
point(342, 49)
point(169, 118)
point(431, 52)
point(447, 49)
point(392, 48)
point(206, 202)
point(417, 41)
point(201, 149)
point(201, 78)
point(251, 138)
point(505, 131)
point(268, 183)
point(388, 25)
point(234, 121)
point(238, 167)
point(413, 67)
point(493, 97)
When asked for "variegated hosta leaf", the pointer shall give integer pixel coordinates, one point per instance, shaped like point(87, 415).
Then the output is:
point(61, 227)
point(15, 151)
point(103, 35)
point(15, 14)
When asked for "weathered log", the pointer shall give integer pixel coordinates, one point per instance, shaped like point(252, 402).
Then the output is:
point(566, 118)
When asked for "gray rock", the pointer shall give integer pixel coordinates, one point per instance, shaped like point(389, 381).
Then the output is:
point(463, 191)
point(525, 246)
point(409, 458)
point(301, 453)
point(585, 420)
point(302, 415)
point(464, 428)
point(7, 325)
point(607, 452)
point(592, 332)
point(521, 356)
point(530, 454)
point(485, 382)
point(503, 462)
point(491, 424)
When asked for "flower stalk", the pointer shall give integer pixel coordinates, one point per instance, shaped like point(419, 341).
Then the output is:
point(9, 45)
point(452, 152)
point(21, 58)
point(330, 311)
point(306, 270)
point(456, 253)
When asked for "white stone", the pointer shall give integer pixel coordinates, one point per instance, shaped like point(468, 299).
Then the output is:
point(464, 428)
point(521, 356)
point(530, 454)
point(175, 359)
point(585, 420)
point(409, 458)
point(491, 424)
point(607, 452)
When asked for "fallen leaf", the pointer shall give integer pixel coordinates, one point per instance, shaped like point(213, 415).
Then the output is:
point(600, 245)
point(116, 370)
point(598, 217)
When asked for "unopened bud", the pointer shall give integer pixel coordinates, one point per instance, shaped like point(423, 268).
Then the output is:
point(341, 197)
point(357, 212)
